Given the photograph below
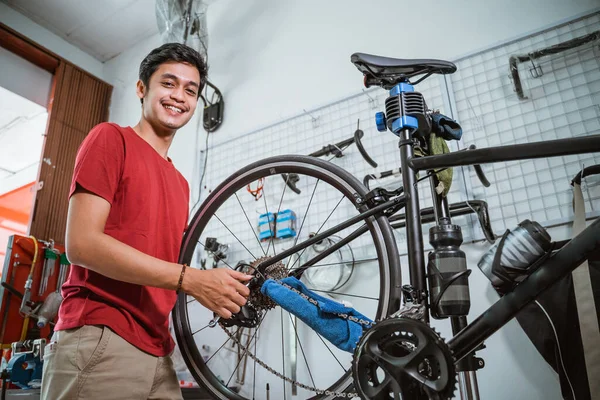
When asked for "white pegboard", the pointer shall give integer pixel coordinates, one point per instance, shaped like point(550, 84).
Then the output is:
point(313, 129)
point(564, 102)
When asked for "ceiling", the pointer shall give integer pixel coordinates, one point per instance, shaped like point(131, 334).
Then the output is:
point(102, 29)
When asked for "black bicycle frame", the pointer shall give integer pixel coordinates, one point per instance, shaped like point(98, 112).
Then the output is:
point(468, 337)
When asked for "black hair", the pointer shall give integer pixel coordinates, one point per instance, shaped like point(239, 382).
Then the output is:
point(173, 52)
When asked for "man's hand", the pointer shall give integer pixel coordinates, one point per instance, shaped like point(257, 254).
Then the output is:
point(220, 289)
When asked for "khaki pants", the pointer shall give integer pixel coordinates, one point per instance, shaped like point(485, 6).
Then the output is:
point(93, 362)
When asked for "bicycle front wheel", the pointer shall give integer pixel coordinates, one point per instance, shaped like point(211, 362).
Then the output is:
point(279, 351)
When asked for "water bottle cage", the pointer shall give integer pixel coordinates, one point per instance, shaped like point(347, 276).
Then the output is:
point(446, 283)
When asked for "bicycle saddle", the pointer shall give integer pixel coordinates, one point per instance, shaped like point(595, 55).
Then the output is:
point(388, 72)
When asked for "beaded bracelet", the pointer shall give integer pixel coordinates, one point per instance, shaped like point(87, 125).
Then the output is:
point(181, 278)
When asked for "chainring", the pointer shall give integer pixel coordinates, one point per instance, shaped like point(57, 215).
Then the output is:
point(403, 358)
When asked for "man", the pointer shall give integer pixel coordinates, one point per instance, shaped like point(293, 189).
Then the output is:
point(128, 210)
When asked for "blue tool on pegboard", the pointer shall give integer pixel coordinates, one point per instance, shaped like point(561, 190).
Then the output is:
point(285, 223)
point(266, 226)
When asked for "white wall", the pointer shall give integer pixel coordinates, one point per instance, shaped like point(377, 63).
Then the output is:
point(47, 39)
point(272, 59)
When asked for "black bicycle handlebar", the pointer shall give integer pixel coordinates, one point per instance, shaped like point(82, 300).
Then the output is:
point(379, 175)
point(335, 149)
point(397, 172)
point(358, 134)
point(479, 171)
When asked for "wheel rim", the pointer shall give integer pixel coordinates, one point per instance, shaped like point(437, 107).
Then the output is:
point(189, 320)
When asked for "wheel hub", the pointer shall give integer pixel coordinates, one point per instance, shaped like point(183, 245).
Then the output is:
point(252, 312)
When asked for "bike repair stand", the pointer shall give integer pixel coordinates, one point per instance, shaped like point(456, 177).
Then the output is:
point(407, 121)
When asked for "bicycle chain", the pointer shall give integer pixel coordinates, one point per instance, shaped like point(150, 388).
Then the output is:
point(410, 310)
point(347, 317)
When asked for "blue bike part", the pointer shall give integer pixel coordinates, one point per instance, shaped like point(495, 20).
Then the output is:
point(401, 88)
point(404, 122)
point(380, 121)
point(399, 104)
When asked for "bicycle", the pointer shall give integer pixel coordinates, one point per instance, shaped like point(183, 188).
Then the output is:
point(400, 354)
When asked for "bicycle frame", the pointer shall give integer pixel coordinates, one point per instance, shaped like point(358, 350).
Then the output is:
point(560, 264)
point(467, 337)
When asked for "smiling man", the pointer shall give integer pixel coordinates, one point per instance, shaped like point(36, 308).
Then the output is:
point(128, 209)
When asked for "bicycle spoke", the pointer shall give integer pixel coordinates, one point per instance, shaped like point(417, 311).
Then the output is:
point(249, 223)
point(238, 356)
point(282, 352)
point(328, 348)
point(244, 355)
point(236, 332)
point(330, 214)
point(236, 238)
point(264, 196)
point(283, 193)
point(223, 261)
point(343, 263)
point(304, 219)
point(219, 349)
point(287, 177)
point(346, 294)
point(319, 230)
point(200, 330)
point(254, 376)
point(302, 350)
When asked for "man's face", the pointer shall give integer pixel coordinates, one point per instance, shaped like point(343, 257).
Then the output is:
point(171, 96)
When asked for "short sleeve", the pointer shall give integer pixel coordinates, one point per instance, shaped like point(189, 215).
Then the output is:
point(99, 162)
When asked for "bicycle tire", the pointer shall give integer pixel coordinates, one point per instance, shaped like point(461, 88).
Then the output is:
point(379, 229)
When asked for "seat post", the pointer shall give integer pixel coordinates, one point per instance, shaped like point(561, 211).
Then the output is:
point(414, 233)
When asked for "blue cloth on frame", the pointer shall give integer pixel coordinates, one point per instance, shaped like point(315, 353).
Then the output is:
point(342, 333)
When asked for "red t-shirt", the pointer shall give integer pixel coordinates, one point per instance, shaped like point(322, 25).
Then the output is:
point(149, 209)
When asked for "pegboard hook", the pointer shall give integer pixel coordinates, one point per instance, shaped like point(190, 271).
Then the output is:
point(535, 70)
point(372, 101)
point(315, 120)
